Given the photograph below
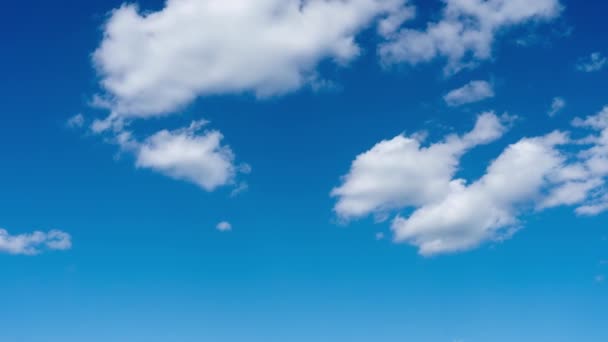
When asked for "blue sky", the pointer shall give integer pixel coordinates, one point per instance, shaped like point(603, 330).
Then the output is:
point(358, 201)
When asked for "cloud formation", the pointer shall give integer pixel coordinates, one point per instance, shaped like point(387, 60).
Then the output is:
point(401, 172)
point(473, 91)
point(156, 63)
point(487, 209)
point(190, 154)
point(466, 31)
point(595, 62)
point(34, 243)
point(452, 214)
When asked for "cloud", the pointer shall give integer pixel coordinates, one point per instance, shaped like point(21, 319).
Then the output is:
point(224, 226)
point(76, 121)
point(595, 62)
point(444, 214)
point(34, 243)
point(557, 105)
point(188, 154)
point(466, 31)
point(473, 91)
point(155, 63)
point(401, 172)
point(487, 209)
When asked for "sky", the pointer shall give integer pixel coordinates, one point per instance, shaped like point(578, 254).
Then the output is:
point(320, 170)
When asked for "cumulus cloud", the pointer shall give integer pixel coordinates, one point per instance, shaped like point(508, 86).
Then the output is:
point(466, 31)
point(450, 214)
point(34, 243)
point(473, 91)
point(487, 209)
point(154, 63)
point(401, 172)
point(190, 154)
point(224, 226)
point(595, 62)
point(557, 105)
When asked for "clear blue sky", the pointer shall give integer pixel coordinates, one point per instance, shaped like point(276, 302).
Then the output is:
point(140, 258)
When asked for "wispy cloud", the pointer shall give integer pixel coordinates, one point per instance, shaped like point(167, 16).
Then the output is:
point(34, 243)
point(474, 91)
point(595, 62)
point(557, 105)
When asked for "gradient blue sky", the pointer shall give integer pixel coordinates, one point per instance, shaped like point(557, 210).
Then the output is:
point(147, 263)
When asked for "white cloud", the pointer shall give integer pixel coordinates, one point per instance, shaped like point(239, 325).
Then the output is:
point(76, 121)
point(594, 161)
point(34, 243)
point(487, 209)
point(595, 62)
point(473, 91)
point(187, 154)
point(224, 226)
point(400, 172)
point(466, 31)
point(557, 105)
point(450, 214)
point(155, 63)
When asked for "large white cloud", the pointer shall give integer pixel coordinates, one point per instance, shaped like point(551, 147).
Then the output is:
point(487, 209)
point(452, 214)
point(466, 31)
point(34, 243)
point(155, 63)
point(401, 172)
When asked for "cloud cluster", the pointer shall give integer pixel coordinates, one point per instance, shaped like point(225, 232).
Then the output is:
point(466, 31)
point(473, 91)
point(156, 63)
point(34, 243)
point(451, 214)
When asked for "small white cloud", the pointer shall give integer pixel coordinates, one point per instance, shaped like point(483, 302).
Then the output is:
point(557, 105)
point(379, 236)
point(595, 62)
point(190, 154)
point(224, 226)
point(34, 243)
point(76, 121)
point(600, 279)
point(474, 91)
point(185, 154)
